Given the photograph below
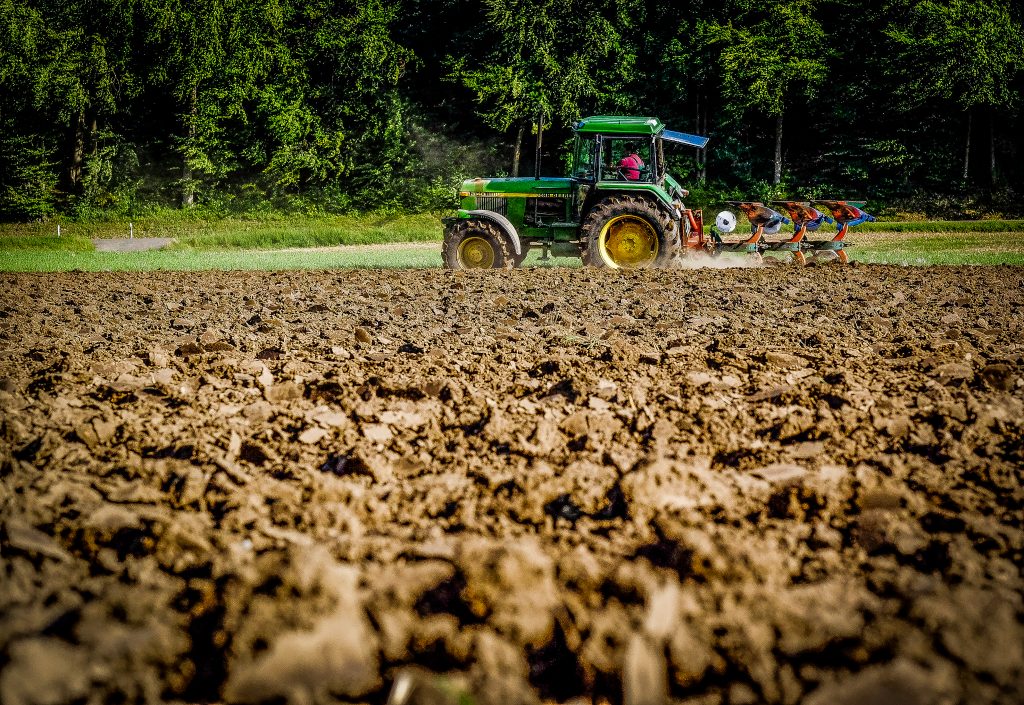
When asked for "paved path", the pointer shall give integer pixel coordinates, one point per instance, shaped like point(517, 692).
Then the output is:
point(137, 244)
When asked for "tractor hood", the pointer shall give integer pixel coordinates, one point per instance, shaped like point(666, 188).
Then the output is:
point(684, 138)
point(514, 186)
point(509, 196)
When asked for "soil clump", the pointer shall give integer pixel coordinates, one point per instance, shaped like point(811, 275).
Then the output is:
point(718, 487)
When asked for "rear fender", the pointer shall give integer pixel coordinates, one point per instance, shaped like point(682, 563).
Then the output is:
point(651, 191)
point(503, 223)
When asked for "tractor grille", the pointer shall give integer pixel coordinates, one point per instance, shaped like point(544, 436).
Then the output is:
point(497, 204)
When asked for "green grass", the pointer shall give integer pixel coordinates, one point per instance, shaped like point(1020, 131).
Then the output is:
point(73, 243)
point(343, 230)
point(942, 226)
point(233, 233)
point(957, 248)
point(278, 232)
point(192, 260)
point(416, 257)
point(244, 245)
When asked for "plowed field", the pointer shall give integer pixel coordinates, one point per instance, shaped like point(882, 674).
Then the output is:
point(734, 486)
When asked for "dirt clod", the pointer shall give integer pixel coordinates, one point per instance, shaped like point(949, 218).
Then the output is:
point(516, 487)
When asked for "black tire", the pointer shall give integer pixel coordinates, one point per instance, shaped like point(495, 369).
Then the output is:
point(476, 244)
point(653, 240)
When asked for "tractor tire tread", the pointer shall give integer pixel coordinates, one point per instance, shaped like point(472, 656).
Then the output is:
point(637, 205)
point(454, 235)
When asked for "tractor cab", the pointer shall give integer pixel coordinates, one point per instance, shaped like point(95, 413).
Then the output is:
point(602, 143)
point(597, 158)
point(616, 149)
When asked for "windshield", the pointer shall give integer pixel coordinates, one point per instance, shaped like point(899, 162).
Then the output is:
point(583, 158)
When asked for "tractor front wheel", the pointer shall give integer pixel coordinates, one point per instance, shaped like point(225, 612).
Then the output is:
point(475, 244)
point(629, 232)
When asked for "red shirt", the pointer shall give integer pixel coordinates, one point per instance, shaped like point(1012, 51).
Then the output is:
point(631, 166)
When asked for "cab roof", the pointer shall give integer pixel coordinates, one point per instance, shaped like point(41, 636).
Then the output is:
point(619, 124)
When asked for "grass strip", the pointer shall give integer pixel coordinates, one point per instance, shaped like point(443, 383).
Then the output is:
point(942, 226)
point(415, 257)
point(73, 243)
point(192, 260)
point(364, 229)
point(878, 248)
point(354, 231)
point(231, 233)
point(928, 248)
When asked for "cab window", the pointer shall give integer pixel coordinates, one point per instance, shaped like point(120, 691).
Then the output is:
point(583, 158)
point(617, 164)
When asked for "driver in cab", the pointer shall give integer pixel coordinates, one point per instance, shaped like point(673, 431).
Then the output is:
point(631, 164)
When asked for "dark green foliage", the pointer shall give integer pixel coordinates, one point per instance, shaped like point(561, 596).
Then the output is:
point(28, 177)
point(113, 108)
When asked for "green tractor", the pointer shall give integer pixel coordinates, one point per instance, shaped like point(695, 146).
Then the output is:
point(617, 208)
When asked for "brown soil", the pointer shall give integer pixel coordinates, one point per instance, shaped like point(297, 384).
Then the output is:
point(741, 486)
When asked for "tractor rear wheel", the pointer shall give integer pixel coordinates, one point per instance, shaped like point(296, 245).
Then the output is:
point(629, 232)
point(475, 244)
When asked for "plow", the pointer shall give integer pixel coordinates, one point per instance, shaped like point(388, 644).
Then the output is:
point(619, 208)
point(765, 221)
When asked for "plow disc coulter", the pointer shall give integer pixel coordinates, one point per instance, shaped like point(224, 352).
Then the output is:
point(618, 208)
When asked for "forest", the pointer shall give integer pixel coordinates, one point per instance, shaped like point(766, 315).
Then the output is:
point(116, 108)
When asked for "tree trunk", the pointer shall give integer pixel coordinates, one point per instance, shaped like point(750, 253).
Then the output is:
point(696, 131)
point(967, 147)
point(702, 154)
point(518, 150)
point(94, 137)
point(188, 196)
point(77, 155)
point(777, 175)
point(993, 173)
point(540, 147)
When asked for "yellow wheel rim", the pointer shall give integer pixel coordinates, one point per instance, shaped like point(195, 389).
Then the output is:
point(628, 242)
point(476, 253)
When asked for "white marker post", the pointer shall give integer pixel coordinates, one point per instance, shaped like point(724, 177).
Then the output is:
point(58, 229)
point(131, 231)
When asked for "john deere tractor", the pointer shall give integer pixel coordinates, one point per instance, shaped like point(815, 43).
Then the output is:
point(609, 212)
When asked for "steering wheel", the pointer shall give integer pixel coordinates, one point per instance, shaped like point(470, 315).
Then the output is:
point(642, 174)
